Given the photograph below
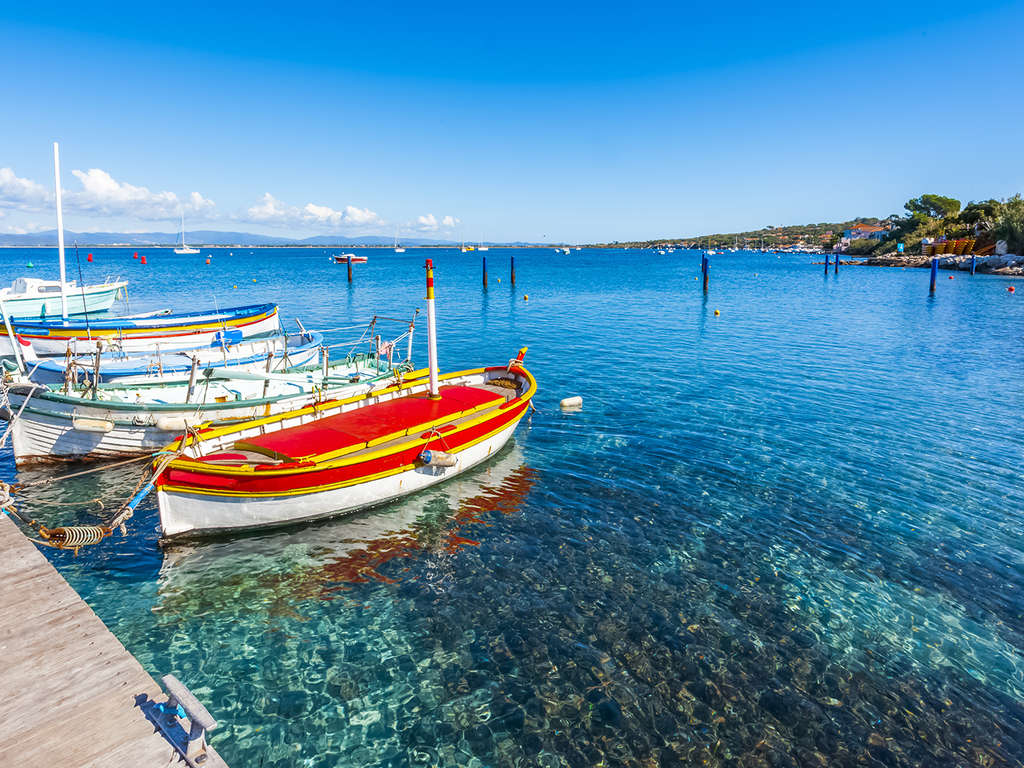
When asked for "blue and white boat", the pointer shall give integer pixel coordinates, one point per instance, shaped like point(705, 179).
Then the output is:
point(271, 353)
point(181, 330)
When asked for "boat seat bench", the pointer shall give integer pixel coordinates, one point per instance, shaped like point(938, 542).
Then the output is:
point(366, 424)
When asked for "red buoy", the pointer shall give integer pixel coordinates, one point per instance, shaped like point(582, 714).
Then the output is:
point(207, 259)
point(143, 259)
point(89, 257)
point(135, 255)
point(1011, 289)
point(950, 277)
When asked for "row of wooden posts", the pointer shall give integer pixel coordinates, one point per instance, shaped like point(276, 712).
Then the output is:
point(511, 270)
point(705, 269)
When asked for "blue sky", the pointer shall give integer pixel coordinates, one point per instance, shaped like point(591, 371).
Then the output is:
point(576, 122)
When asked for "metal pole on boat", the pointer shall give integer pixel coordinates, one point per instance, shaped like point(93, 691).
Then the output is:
point(15, 344)
point(96, 370)
point(60, 233)
point(431, 332)
point(192, 379)
point(408, 350)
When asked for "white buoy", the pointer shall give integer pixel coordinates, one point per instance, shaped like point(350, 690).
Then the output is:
point(571, 402)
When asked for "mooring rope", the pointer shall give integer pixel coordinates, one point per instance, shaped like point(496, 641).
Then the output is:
point(74, 537)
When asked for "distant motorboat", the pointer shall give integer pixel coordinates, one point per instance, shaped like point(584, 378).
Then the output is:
point(483, 248)
point(185, 249)
point(345, 258)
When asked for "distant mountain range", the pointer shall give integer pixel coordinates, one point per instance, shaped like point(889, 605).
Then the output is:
point(208, 238)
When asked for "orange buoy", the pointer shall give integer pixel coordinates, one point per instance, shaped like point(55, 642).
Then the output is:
point(950, 277)
point(717, 313)
point(89, 257)
point(1011, 289)
point(207, 259)
point(525, 297)
point(135, 255)
point(143, 259)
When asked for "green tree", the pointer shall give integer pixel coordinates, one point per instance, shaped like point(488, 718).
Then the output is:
point(982, 213)
point(1009, 226)
point(935, 206)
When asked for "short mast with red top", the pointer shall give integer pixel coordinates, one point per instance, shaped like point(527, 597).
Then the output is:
point(431, 332)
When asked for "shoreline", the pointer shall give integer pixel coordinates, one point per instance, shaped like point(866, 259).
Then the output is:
point(997, 264)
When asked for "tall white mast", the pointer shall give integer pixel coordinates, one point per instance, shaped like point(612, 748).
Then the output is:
point(431, 334)
point(60, 233)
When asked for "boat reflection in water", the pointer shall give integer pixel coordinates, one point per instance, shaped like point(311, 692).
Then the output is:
point(318, 560)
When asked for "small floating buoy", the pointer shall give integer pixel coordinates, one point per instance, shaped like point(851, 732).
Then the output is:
point(571, 402)
point(135, 255)
point(235, 287)
point(89, 257)
point(525, 297)
point(30, 265)
point(717, 313)
point(1011, 289)
point(950, 277)
point(143, 259)
point(207, 259)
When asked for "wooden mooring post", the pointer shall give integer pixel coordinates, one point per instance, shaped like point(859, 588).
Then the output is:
point(835, 269)
point(706, 268)
point(974, 262)
point(349, 260)
point(826, 263)
point(485, 272)
point(935, 275)
point(512, 269)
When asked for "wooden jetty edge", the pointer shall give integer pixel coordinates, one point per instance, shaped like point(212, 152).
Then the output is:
point(70, 694)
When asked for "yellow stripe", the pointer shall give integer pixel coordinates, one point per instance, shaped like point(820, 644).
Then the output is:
point(162, 330)
point(330, 486)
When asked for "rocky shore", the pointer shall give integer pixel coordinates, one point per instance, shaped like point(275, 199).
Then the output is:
point(996, 264)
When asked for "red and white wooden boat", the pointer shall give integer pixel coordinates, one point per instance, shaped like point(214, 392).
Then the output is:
point(340, 456)
point(347, 258)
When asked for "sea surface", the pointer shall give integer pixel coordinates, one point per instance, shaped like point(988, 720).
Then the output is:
point(786, 533)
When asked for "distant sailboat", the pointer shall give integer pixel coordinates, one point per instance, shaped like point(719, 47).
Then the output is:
point(184, 246)
point(398, 248)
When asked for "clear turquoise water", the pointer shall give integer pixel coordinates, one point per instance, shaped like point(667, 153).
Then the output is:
point(787, 535)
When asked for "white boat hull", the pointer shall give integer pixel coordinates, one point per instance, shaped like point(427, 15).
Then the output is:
point(183, 514)
point(49, 430)
point(96, 298)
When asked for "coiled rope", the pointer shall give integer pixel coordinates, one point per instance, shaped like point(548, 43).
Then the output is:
point(74, 537)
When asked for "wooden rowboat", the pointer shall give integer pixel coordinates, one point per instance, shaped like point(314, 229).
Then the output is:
point(172, 331)
point(341, 456)
point(345, 455)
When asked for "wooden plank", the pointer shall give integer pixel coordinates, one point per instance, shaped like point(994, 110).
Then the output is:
point(69, 686)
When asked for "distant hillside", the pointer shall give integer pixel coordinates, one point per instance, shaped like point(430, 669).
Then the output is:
point(204, 237)
point(824, 234)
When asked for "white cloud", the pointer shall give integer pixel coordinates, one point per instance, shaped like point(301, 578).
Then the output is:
point(102, 194)
point(16, 192)
point(429, 223)
point(270, 210)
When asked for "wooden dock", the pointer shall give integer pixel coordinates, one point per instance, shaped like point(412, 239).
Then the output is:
point(70, 694)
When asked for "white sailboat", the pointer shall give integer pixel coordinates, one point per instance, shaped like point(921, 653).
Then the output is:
point(398, 248)
point(30, 297)
point(184, 247)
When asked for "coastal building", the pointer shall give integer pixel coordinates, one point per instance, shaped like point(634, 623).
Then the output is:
point(862, 231)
